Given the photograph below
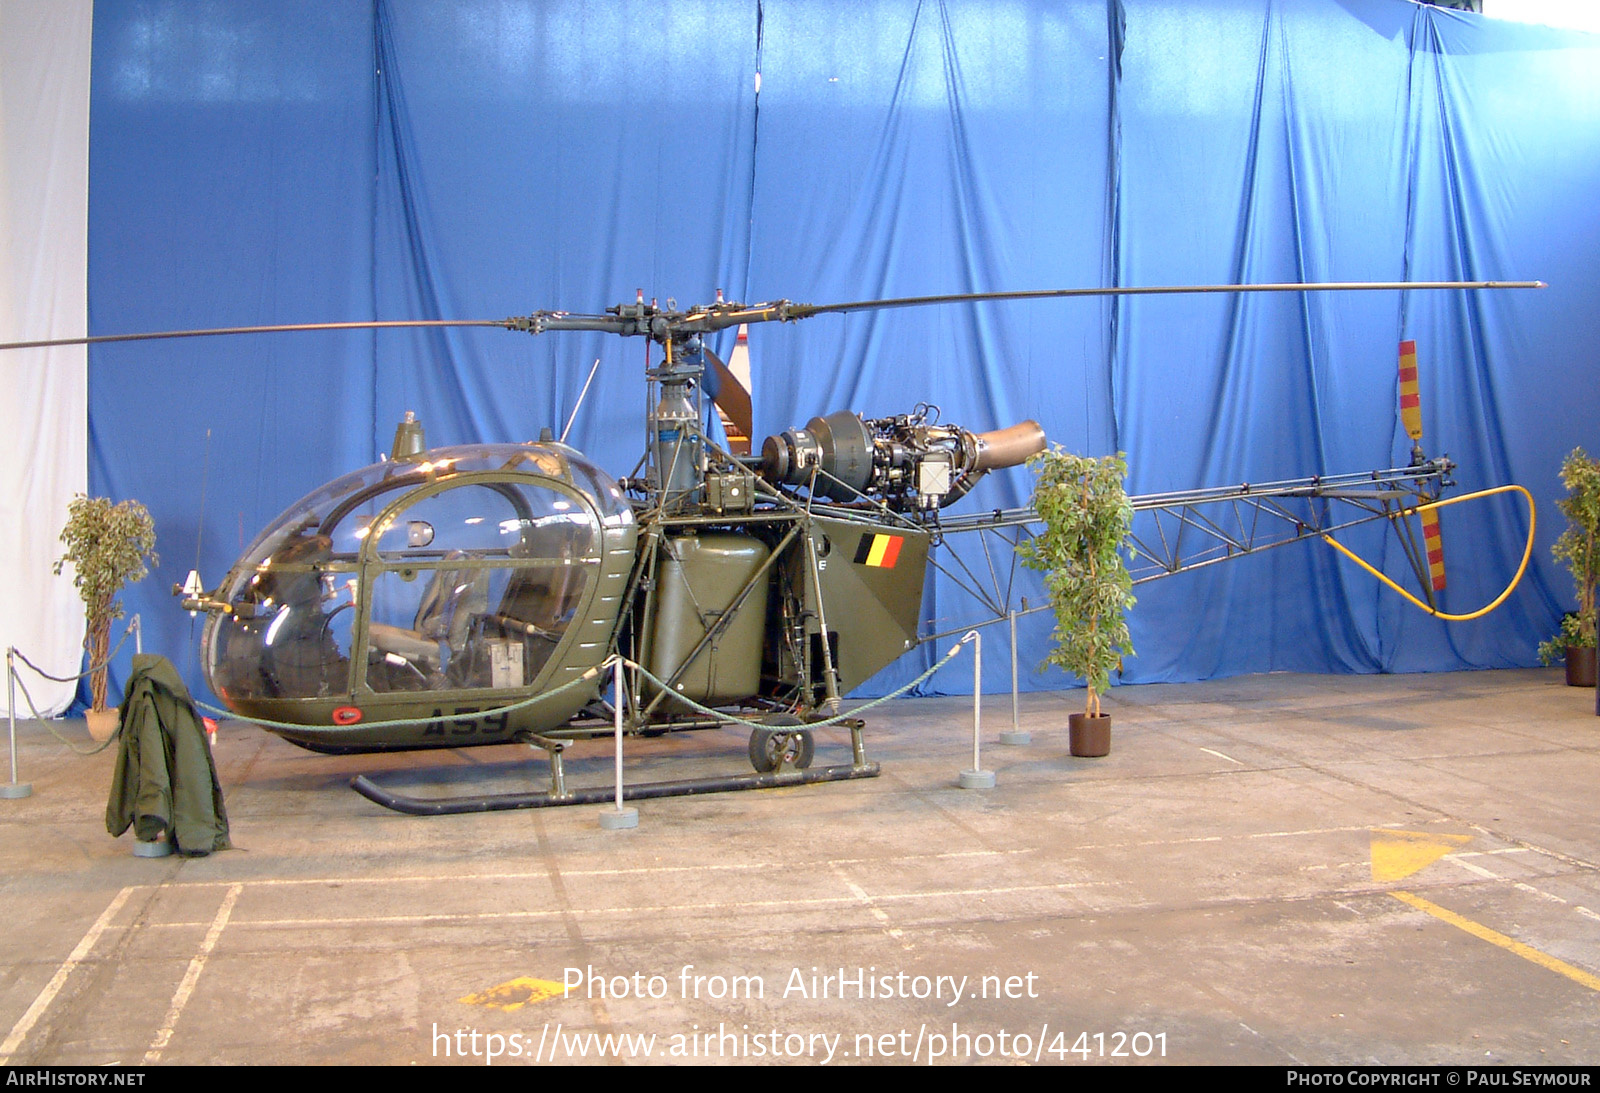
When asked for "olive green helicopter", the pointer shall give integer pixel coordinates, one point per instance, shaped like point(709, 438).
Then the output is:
point(479, 594)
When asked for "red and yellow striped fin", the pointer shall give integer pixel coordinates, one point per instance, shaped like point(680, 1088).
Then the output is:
point(1410, 397)
point(1433, 542)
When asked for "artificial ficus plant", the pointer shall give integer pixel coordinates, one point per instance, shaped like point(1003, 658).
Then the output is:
point(1086, 513)
point(1578, 548)
point(108, 546)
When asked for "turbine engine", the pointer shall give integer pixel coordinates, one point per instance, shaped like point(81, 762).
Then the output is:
point(909, 462)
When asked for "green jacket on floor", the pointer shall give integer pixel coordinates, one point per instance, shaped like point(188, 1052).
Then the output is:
point(165, 780)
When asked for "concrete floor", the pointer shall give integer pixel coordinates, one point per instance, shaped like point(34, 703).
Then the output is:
point(1277, 869)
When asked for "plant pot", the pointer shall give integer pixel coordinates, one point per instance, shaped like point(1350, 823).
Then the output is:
point(102, 723)
point(1580, 665)
point(1089, 737)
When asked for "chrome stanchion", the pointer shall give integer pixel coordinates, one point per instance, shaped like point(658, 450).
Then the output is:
point(977, 777)
point(618, 817)
point(13, 789)
point(1016, 734)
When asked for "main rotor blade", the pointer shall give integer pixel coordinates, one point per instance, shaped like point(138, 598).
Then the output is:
point(805, 311)
point(632, 320)
point(101, 339)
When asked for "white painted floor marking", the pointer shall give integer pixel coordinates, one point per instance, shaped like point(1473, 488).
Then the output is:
point(649, 870)
point(180, 997)
point(1309, 831)
point(866, 901)
point(1531, 890)
point(1478, 870)
point(1365, 863)
point(646, 870)
point(1219, 755)
point(1226, 838)
point(85, 946)
point(1545, 850)
point(485, 916)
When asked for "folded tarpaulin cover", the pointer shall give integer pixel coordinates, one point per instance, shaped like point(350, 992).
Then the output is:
point(165, 780)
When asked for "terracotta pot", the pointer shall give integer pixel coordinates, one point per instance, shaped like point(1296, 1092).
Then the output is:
point(1580, 666)
point(102, 723)
point(1089, 737)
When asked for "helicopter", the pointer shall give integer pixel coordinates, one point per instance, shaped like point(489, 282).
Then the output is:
point(472, 595)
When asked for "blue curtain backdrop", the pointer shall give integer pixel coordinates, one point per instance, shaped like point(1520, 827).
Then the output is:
point(261, 162)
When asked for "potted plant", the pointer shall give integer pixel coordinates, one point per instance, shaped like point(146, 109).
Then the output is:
point(108, 546)
point(1086, 513)
point(1578, 548)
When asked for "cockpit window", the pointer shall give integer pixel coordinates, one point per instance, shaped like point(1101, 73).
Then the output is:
point(470, 585)
point(488, 599)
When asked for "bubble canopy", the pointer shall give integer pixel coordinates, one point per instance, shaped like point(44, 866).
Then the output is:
point(464, 570)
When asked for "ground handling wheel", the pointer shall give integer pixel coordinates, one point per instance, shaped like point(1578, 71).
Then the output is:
point(781, 742)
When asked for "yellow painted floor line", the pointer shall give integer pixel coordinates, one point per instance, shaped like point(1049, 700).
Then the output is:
point(1494, 937)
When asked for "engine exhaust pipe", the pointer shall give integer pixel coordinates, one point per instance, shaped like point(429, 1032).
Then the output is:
point(1009, 447)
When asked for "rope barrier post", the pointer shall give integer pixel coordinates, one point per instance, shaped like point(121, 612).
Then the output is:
point(1016, 734)
point(618, 817)
point(977, 777)
point(13, 789)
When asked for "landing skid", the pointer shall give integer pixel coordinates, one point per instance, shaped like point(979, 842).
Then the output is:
point(643, 791)
point(559, 795)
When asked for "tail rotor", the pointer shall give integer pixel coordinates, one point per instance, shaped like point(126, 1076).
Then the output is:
point(1411, 418)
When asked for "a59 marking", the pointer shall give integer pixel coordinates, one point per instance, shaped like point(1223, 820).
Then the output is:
point(463, 725)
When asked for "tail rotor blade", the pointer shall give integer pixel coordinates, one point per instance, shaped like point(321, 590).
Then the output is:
point(1410, 396)
point(1411, 419)
point(1433, 542)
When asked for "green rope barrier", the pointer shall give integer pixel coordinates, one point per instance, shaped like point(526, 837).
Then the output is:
point(592, 673)
point(824, 723)
point(71, 745)
point(92, 668)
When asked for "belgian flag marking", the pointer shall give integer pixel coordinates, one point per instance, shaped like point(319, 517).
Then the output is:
point(879, 551)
